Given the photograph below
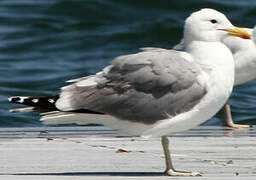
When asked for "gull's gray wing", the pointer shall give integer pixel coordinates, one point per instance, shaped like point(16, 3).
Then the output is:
point(146, 87)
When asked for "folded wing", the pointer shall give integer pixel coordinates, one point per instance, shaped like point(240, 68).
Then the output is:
point(145, 87)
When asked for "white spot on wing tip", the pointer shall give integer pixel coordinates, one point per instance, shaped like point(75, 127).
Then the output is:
point(35, 100)
point(20, 99)
point(51, 101)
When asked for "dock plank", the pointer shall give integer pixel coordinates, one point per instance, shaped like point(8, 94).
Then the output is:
point(91, 152)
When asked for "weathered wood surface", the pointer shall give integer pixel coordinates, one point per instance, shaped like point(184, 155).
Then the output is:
point(92, 153)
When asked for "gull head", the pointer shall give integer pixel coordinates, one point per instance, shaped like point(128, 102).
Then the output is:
point(211, 26)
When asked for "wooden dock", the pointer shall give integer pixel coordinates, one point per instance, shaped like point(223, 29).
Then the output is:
point(101, 153)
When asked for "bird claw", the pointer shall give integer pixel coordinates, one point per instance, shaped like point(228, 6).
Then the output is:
point(172, 172)
point(239, 126)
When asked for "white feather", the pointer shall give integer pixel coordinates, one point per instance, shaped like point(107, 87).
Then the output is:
point(21, 98)
point(92, 81)
point(129, 127)
point(35, 100)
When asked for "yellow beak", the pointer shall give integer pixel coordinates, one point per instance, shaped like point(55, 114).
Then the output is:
point(239, 32)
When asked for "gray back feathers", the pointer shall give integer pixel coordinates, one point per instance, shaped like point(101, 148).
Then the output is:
point(144, 87)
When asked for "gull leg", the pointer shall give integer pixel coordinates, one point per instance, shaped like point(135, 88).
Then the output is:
point(227, 118)
point(169, 167)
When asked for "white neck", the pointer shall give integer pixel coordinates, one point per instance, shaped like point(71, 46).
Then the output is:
point(209, 56)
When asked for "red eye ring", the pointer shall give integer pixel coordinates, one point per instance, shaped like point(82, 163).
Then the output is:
point(213, 21)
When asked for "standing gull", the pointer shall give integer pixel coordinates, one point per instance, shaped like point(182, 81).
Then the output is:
point(244, 54)
point(154, 92)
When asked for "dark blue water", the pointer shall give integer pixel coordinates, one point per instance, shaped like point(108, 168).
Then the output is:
point(43, 43)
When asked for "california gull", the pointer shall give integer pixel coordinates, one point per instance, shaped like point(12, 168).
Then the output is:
point(154, 92)
point(244, 53)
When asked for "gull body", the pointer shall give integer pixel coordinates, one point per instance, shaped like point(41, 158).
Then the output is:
point(217, 70)
point(244, 53)
point(154, 92)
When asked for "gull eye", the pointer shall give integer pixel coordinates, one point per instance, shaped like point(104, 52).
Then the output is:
point(213, 21)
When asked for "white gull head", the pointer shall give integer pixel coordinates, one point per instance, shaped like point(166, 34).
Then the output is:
point(206, 25)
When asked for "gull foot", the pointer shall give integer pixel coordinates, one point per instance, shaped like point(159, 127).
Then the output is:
point(228, 121)
point(239, 126)
point(172, 172)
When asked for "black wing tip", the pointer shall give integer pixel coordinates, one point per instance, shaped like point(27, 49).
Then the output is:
point(40, 103)
point(17, 99)
point(26, 100)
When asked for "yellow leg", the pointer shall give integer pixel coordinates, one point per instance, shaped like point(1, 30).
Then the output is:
point(169, 167)
point(227, 118)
